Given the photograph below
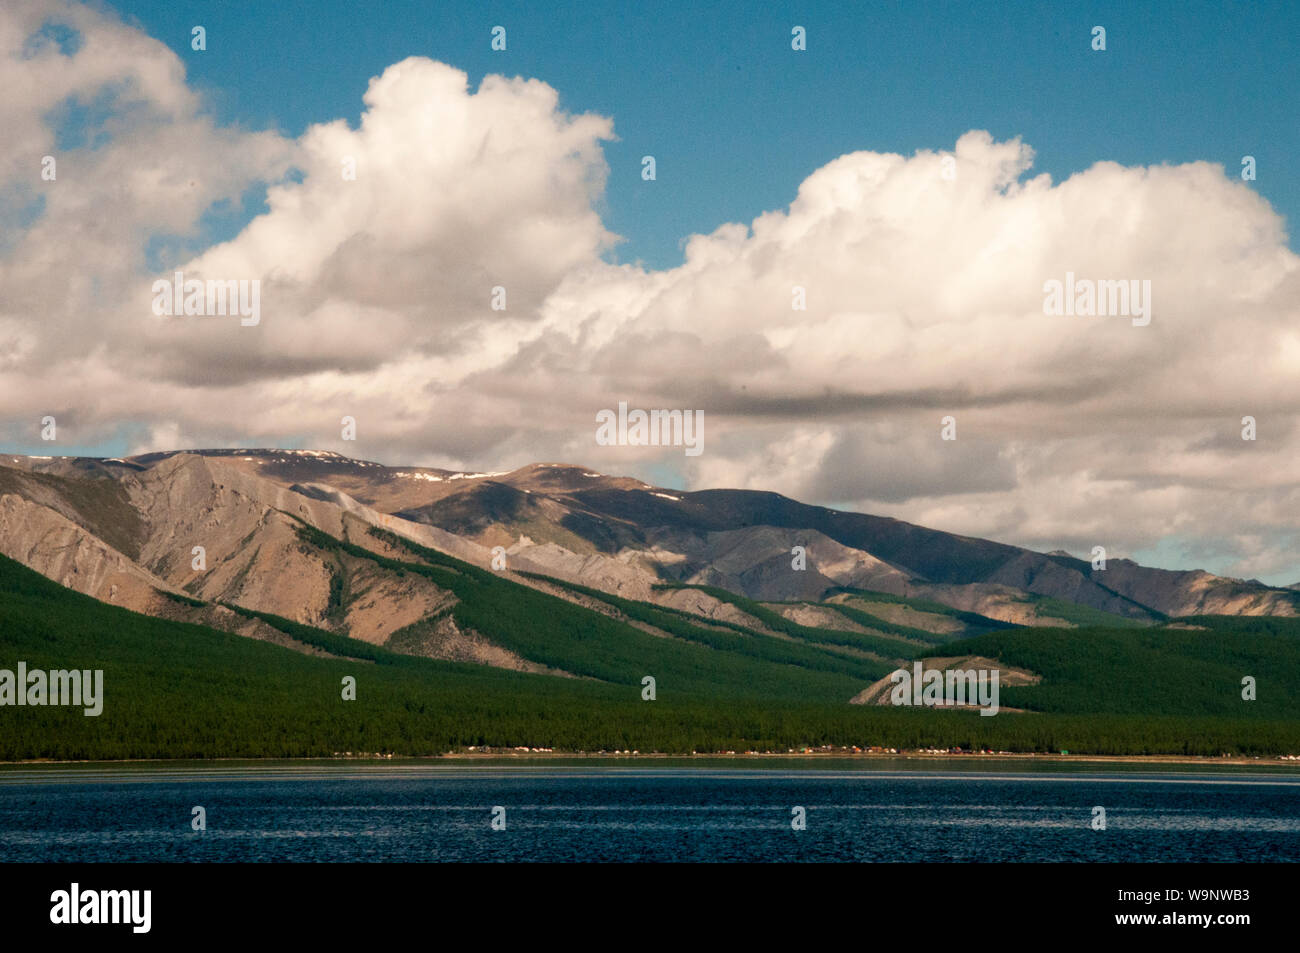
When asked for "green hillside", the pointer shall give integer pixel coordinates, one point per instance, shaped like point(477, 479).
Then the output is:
point(1153, 671)
point(700, 661)
point(972, 622)
point(905, 638)
point(803, 641)
point(174, 690)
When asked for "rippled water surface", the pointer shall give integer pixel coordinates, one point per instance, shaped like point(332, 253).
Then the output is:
point(889, 811)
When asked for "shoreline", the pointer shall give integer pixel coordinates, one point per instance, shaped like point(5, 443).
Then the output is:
point(512, 755)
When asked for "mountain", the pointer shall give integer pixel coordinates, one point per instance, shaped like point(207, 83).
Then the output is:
point(125, 531)
point(185, 565)
point(177, 690)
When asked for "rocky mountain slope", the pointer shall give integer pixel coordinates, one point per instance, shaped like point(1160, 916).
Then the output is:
point(193, 535)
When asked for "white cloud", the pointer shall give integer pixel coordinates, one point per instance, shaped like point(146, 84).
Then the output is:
point(925, 298)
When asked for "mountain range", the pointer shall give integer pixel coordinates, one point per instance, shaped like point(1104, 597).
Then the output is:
point(227, 595)
point(130, 531)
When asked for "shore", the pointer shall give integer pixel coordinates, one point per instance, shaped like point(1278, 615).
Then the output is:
point(862, 757)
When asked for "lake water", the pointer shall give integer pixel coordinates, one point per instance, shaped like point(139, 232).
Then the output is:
point(661, 811)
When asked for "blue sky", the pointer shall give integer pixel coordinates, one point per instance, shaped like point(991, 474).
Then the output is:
point(736, 120)
point(1074, 432)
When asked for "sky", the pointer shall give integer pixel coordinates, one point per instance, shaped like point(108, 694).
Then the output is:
point(736, 122)
point(920, 170)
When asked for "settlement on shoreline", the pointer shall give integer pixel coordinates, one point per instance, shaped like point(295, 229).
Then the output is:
point(509, 755)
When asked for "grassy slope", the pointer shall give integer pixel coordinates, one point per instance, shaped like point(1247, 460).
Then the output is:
point(974, 622)
point(804, 642)
point(904, 645)
point(977, 624)
point(1153, 670)
point(562, 635)
point(176, 690)
point(1084, 615)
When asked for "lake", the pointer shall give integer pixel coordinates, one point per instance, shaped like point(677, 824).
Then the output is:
point(647, 810)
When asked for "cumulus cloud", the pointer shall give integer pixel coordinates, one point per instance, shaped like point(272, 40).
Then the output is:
point(924, 298)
